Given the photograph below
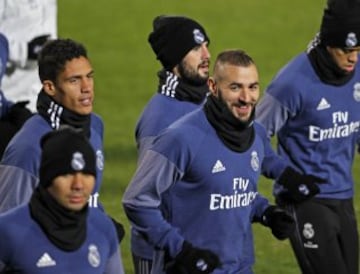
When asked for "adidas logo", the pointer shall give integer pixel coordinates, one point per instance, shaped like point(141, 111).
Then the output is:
point(218, 167)
point(45, 261)
point(323, 104)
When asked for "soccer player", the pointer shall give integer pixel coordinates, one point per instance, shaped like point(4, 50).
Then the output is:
point(66, 98)
point(194, 195)
point(182, 88)
point(56, 232)
point(312, 106)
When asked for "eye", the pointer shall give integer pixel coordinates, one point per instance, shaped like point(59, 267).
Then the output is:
point(234, 87)
point(196, 48)
point(73, 80)
point(254, 87)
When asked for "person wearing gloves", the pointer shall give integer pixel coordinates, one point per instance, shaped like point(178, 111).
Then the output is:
point(312, 106)
point(56, 232)
point(194, 194)
point(182, 88)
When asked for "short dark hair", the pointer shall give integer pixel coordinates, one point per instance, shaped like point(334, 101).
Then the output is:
point(236, 57)
point(55, 54)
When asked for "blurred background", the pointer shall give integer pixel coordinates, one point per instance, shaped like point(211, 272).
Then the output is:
point(115, 33)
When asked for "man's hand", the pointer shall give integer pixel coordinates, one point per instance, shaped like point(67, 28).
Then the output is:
point(299, 187)
point(281, 223)
point(192, 260)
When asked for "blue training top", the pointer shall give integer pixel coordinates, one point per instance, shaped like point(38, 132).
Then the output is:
point(317, 124)
point(207, 193)
point(160, 112)
point(19, 167)
point(25, 247)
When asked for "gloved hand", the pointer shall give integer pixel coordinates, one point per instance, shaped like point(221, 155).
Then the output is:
point(299, 187)
point(281, 223)
point(36, 45)
point(120, 231)
point(192, 260)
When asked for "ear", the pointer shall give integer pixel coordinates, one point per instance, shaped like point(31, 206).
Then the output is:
point(49, 87)
point(175, 70)
point(212, 86)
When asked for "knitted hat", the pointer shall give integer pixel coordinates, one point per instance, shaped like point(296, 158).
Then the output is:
point(340, 25)
point(173, 37)
point(65, 151)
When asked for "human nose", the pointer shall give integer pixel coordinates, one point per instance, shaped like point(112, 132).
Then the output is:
point(353, 56)
point(77, 182)
point(205, 51)
point(244, 95)
point(87, 84)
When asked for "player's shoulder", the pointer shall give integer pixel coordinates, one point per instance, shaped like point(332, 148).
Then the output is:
point(190, 130)
point(16, 217)
point(99, 219)
point(97, 123)
point(260, 129)
point(26, 143)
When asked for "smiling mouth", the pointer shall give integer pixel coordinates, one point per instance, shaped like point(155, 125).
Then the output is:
point(86, 101)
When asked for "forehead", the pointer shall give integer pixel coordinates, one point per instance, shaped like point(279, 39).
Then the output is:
point(76, 66)
point(239, 74)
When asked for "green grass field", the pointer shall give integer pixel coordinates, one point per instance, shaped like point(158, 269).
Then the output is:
point(115, 33)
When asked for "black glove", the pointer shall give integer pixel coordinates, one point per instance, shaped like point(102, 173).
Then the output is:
point(120, 231)
point(192, 260)
point(11, 122)
point(281, 223)
point(299, 187)
point(36, 45)
point(9, 270)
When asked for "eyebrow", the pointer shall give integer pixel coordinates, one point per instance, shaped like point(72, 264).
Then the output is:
point(80, 75)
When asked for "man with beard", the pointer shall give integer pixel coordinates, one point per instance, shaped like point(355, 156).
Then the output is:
point(194, 195)
point(312, 106)
point(66, 98)
point(56, 232)
point(181, 45)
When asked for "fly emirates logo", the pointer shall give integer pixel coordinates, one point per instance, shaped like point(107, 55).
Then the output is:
point(341, 128)
point(240, 198)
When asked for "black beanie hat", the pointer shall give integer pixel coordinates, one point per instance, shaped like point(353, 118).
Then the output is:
point(65, 151)
point(173, 37)
point(340, 25)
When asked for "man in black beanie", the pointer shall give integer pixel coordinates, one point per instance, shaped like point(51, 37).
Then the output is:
point(181, 46)
point(312, 106)
point(56, 231)
point(66, 98)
